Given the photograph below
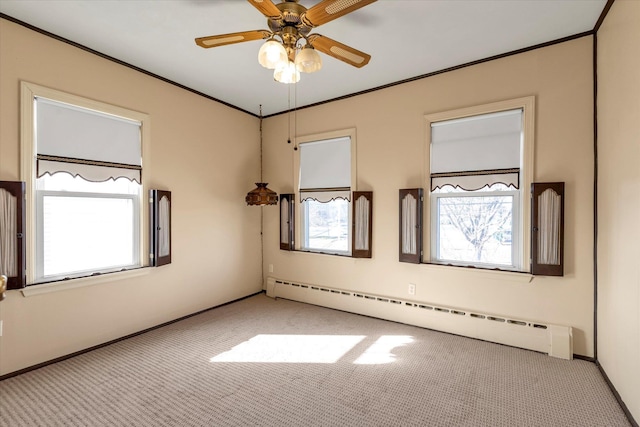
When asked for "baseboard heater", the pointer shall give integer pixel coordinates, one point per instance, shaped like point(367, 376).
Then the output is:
point(555, 340)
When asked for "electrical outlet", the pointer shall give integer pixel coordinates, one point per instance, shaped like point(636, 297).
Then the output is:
point(1, 327)
point(270, 268)
point(412, 289)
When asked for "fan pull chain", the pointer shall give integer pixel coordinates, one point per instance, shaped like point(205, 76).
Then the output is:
point(289, 114)
point(295, 116)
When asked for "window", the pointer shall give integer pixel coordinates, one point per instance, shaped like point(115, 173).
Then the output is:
point(82, 162)
point(85, 227)
point(476, 227)
point(325, 179)
point(479, 165)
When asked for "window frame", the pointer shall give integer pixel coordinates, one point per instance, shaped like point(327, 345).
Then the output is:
point(301, 212)
point(28, 150)
point(527, 104)
point(516, 246)
point(39, 252)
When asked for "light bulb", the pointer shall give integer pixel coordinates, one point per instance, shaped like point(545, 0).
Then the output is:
point(308, 60)
point(287, 73)
point(272, 54)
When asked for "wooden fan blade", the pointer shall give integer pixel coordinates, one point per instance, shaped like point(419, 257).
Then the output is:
point(328, 10)
point(223, 39)
point(339, 51)
point(267, 8)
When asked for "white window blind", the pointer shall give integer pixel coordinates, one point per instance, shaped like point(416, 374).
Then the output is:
point(325, 169)
point(93, 145)
point(477, 151)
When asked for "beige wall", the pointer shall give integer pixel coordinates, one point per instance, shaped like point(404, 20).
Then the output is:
point(390, 142)
point(203, 151)
point(619, 200)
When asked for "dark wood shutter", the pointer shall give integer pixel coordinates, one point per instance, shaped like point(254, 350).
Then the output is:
point(17, 190)
point(362, 223)
point(160, 233)
point(287, 211)
point(410, 221)
point(547, 228)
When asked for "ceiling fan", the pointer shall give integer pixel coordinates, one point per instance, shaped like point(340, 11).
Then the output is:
point(290, 48)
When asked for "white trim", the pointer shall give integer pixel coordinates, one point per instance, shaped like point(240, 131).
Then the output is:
point(28, 150)
point(553, 339)
point(475, 273)
point(82, 282)
point(527, 104)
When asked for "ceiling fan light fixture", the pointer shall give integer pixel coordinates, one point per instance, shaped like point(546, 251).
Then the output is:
point(308, 60)
point(287, 73)
point(272, 53)
point(289, 47)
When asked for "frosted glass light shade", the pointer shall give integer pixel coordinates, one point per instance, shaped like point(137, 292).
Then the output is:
point(287, 73)
point(272, 54)
point(308, 60)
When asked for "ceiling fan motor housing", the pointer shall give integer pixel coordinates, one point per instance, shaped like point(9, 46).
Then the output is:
point(290, 25)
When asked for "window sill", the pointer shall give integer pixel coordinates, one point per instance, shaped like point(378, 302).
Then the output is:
point(80, 282)
point(512, 276)
point(302, 251)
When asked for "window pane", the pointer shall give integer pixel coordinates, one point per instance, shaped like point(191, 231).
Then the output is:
point(87, 234)
point(475, 229)
point(327, 225)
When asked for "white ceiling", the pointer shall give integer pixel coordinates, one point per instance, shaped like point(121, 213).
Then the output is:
point(406, 39)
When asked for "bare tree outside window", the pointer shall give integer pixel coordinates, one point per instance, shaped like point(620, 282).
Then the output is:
point(475, 226)
point(328, 225)
point(484, 222)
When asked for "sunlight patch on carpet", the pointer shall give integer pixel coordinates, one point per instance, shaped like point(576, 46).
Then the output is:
point(266, 348)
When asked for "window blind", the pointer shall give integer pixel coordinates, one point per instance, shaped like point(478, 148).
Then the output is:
point(474, 152)
point(325, 169)
point(96, 146)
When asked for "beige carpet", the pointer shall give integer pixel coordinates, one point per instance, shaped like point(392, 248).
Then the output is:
point(267, 362)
